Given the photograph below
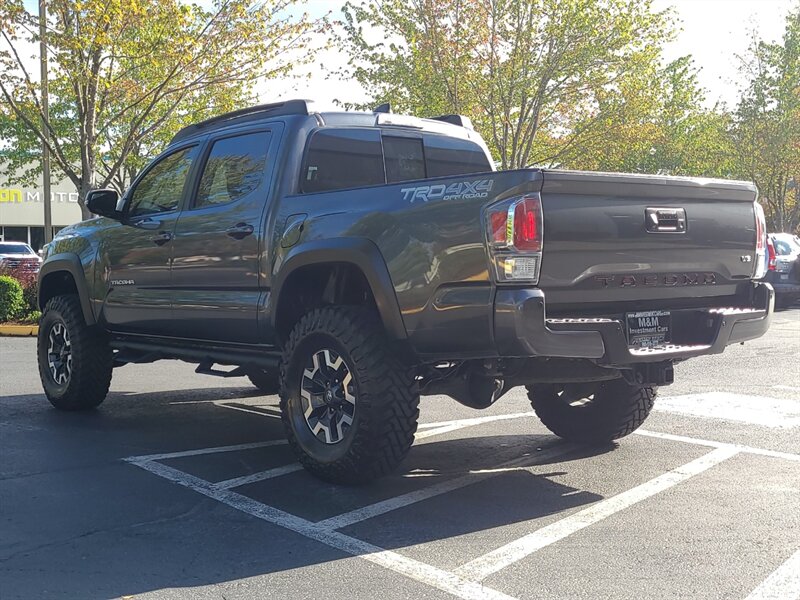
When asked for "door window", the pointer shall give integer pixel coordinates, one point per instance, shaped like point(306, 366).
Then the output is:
point(343, 158)
point(404, 158)
point(161, 187)
point(234, 168)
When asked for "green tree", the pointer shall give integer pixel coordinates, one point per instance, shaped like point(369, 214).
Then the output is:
point(767, 128)
point(665, 130)
point(538, 77)
point(126, 74)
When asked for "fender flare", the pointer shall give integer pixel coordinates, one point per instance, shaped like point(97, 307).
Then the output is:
point(359, 252)
point(70, 263)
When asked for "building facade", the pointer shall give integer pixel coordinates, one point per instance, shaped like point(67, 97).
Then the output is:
point(22, 211)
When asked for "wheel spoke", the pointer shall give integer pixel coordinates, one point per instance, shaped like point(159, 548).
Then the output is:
point(327, 395)
point(59, 354)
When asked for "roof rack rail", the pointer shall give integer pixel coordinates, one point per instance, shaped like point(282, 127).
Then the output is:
point(251, 113)
point(459, 120)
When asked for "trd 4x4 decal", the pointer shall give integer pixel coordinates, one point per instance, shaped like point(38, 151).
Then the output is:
point(461, 190)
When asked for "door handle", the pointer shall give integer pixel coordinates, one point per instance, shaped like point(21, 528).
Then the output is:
point(161, 238)
point(240, 231)
point(148, 223)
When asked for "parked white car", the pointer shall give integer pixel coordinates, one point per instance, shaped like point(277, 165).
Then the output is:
point(19, 255)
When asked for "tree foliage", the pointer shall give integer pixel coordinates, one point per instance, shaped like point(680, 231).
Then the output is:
point(538, 77)
point(767, 124)
point(126, 74)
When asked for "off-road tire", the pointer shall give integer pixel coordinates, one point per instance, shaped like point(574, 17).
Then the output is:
point(92, 358)
point(616, 410)
point(268, 382)
point(387, 399)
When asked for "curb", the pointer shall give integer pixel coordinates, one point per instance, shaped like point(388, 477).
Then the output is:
point(19, 330)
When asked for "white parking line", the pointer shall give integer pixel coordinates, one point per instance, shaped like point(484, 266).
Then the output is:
point(419, 571)
point(715, 444)
point(494, 561)
point(448, 426)
point(229, 484)
point(261, 413)
point(380, 508)
point(782, 584)
point(478, 420)
point(757, 410)
point(786, 387)
point(217, 449)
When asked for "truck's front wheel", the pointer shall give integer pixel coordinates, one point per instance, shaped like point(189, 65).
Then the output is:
point(75, 360)
point(592, 413)
point(349, 406)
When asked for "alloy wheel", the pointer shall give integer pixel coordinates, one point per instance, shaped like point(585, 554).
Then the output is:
point(59, 354)
point(328, 396)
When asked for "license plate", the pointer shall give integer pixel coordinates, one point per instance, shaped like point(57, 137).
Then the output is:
point(786, 276)
point(649, 328)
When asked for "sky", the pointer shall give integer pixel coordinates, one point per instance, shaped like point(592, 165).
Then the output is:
point(715, 31)
point(712, 31)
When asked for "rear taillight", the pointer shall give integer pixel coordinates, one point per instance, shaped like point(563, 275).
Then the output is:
point(771, 256)
point(526, 225)
point(515, 232)
point(762, 260)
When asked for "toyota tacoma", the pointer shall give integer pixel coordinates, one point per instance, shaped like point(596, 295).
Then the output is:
point(353, 261)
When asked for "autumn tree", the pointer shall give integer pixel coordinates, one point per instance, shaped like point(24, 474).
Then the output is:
point(125, 75)
point(665, 129)
point(767, 129)
point(538, 77)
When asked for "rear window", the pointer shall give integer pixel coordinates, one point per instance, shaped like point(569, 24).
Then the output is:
point(453, 156)
point(782, 247)
point(338, 159)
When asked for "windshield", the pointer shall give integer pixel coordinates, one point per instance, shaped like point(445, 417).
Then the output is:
point(6, 248)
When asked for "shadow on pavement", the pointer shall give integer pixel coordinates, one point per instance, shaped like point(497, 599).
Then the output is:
point(78, 522)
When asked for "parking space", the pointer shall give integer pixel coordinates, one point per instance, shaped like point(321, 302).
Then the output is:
point(183, 486)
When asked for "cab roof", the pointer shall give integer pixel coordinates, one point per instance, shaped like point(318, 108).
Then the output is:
point(452, 125)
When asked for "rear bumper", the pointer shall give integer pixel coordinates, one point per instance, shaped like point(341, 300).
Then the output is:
point(522, 329)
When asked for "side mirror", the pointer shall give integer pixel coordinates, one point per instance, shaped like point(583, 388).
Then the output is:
point(104, 203)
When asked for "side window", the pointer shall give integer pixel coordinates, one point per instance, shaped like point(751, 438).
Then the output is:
point(404, 158)
point(161, 188)
point(342, 158)
point(453, 156)
point(234, 168)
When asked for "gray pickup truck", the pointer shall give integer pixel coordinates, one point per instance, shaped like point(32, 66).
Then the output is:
point(355, 261)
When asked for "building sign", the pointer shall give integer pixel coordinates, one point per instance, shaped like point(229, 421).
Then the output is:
point(19, 196)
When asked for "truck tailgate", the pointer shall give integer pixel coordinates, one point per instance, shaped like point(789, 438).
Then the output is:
point(618, 238)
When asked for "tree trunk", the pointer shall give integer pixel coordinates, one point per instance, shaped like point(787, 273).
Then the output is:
point(87, 185)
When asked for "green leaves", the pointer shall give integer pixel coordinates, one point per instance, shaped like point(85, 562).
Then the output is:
point(766, 131)
point(125, 75)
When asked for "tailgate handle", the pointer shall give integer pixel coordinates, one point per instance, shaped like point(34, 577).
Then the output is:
point(665, 220)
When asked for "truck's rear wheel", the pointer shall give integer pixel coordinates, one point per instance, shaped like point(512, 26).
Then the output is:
point(349, 406)
point(75, 360)
point(592, 413)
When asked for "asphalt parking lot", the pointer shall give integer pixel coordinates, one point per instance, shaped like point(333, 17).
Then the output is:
point(182, 486)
